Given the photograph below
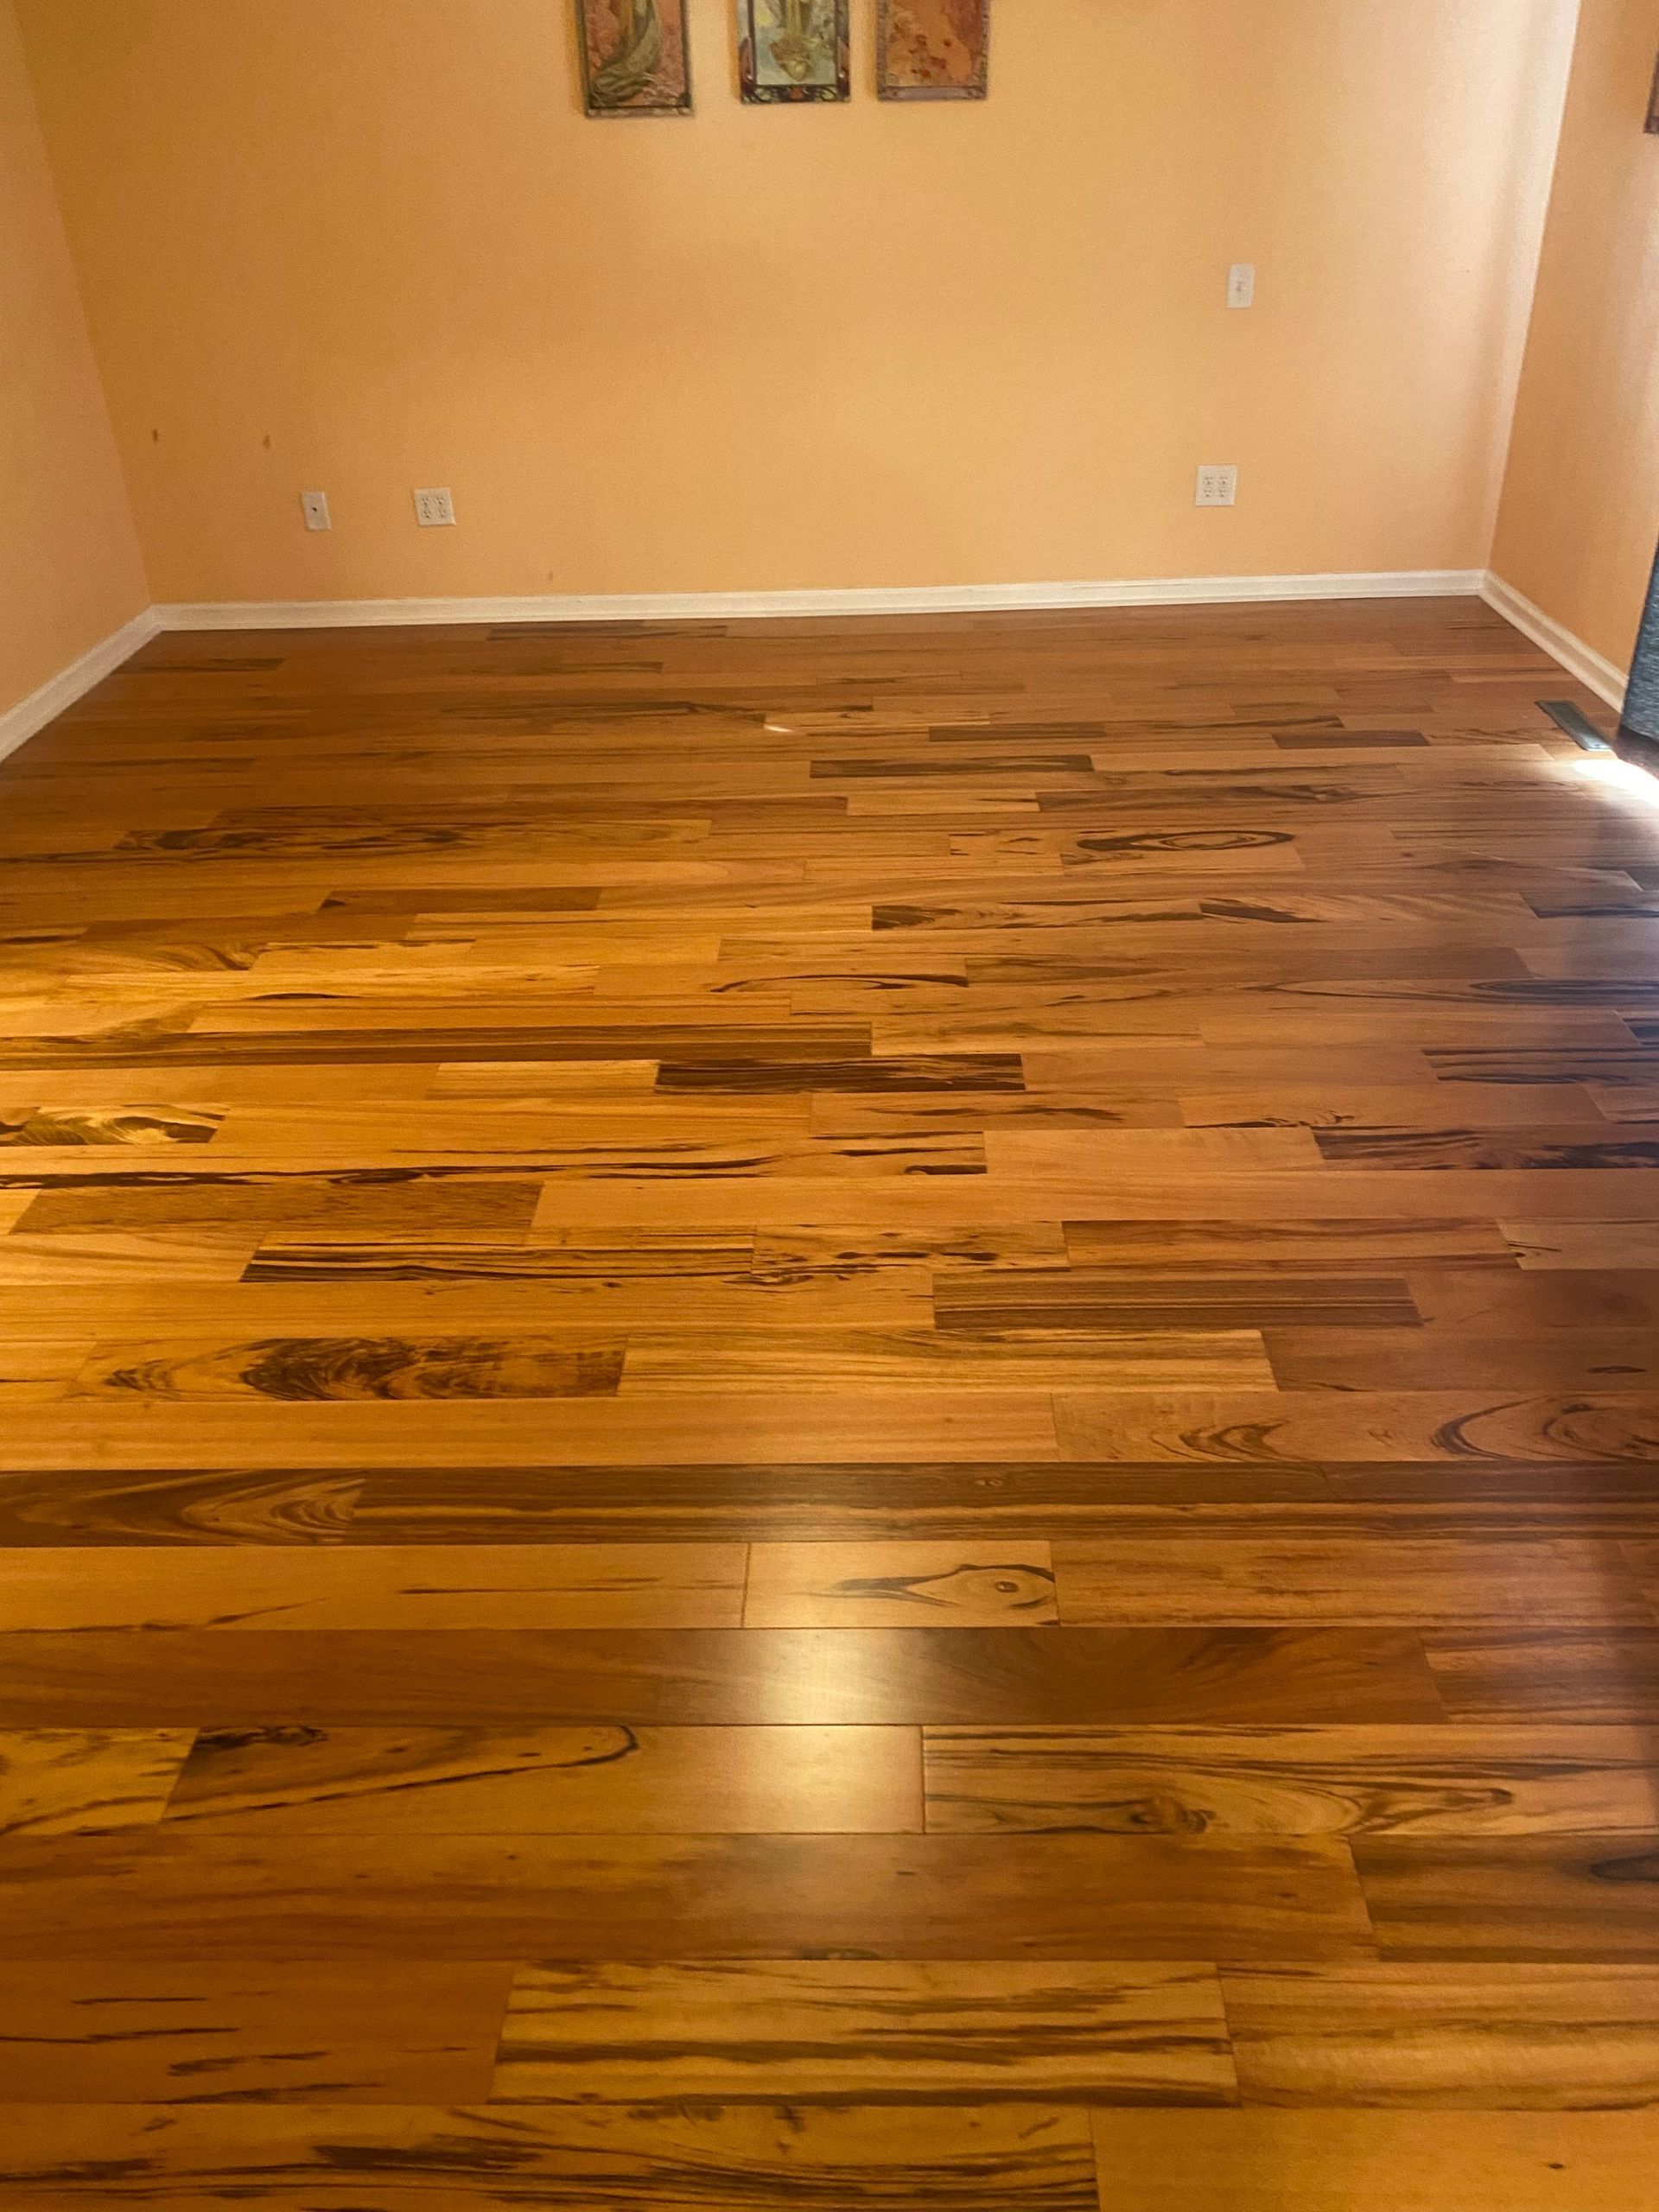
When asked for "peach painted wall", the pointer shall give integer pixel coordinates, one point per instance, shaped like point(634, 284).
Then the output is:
point(1581, 514)
point(365, 246)
point(69, 568)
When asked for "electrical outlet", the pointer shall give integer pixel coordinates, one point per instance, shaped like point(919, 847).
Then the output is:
point(1240, 284)
point(1217, 487)
point(314, 505)
point(432, 508)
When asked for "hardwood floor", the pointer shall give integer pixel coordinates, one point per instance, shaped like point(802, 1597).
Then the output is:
point(857, 1415)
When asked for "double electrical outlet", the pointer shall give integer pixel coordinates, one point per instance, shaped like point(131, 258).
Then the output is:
point(1218, 484)
point(433, 508)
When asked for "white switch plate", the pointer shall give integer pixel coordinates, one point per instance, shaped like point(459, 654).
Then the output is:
point(314, 505)
point(1240, 284)
point(1217, 486)
point(434, 507)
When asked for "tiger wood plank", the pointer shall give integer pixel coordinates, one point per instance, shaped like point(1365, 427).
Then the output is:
point(126, 1509)
point(818, 2030)
point(645, 1899)
point(1359, 1781)
point(188, 2032)
point(1522, 1672)
point(247, 1430)
point(1335, 1565)
point(592, 1780)
point(261, 1588)
point(72, 1782)
point(1433, 2036)
point(747, 1503)
point(1014, 2158)
point(1563, 1898)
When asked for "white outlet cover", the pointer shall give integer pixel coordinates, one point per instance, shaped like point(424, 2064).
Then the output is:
point(435, 507)
point(1217, 485)
point(314, 505)
point(1240, 284)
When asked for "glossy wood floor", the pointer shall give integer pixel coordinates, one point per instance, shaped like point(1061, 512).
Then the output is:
point(836, 1416)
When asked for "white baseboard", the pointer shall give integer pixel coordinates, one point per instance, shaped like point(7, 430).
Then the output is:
point(33, 714)
point(1591, 668)
point(739, 606)
point(19, 722)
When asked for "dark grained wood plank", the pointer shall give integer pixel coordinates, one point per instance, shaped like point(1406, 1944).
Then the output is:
point(919, 2159)
point(123, 1508)
point(1515, 1897)
point(1465, 1357)
point(1095, 1299)
point(1567, 1146)
point(399, 1199)
point(307, 1369)
point(1364, 1249)
point(758, 1502)
point(1525, 1673)
point(753, 1074)
point(1429, 2037)
point(1361, 1781)
point(160, 1043)
point(193, 2032)
point(570, 1259)
point(1044, 1676)
point(897, 2031)
point(181, 1891)
point(1534, 1063)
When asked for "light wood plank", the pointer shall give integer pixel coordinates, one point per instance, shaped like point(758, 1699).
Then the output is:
point(1375, 2162)
point(596, 1780)
point(396, 1586)
point(74, 1781)
point(898, 1586)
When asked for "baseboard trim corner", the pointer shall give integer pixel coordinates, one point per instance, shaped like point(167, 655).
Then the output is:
point(1593, 669)
point(19, 723)
point(759, 605)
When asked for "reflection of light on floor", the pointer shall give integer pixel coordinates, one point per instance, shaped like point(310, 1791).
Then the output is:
point(1621, 776)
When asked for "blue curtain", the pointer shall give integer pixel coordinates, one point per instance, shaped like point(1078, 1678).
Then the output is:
point(1642, 701)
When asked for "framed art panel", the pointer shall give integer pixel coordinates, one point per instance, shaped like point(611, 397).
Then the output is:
point(794, 50)
point(932, 49)
point(635, 57)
